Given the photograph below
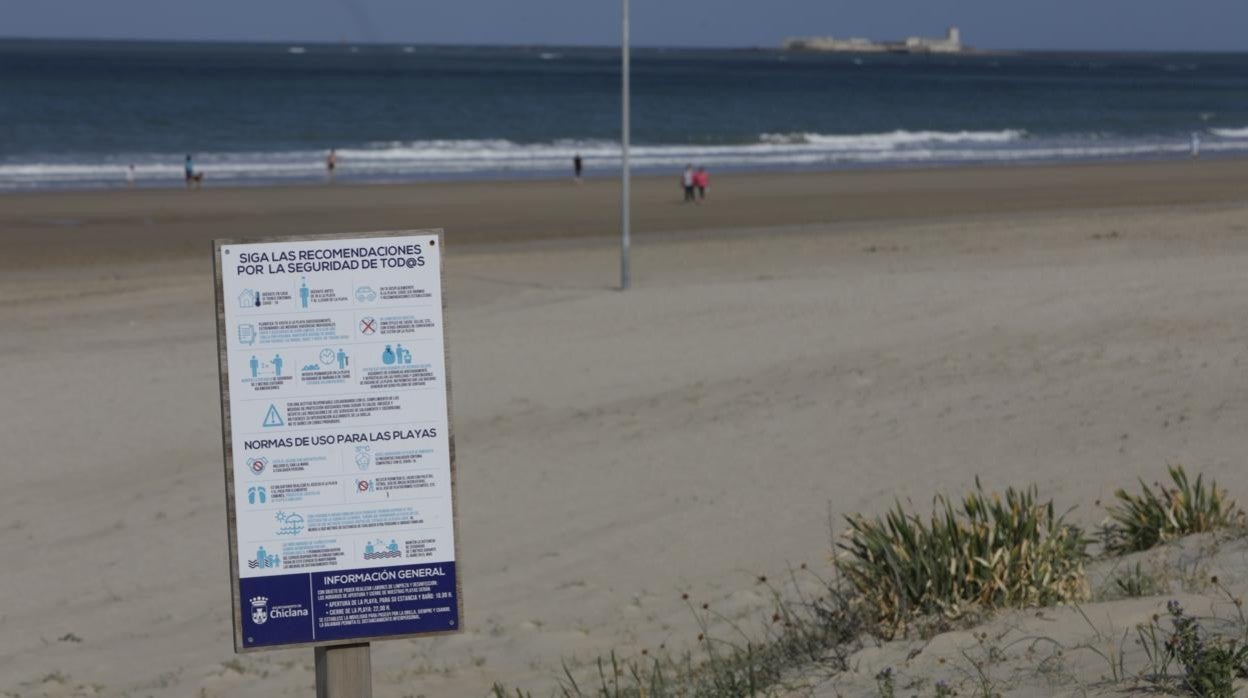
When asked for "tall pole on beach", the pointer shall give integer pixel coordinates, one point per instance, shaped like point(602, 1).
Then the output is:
point(624, 138)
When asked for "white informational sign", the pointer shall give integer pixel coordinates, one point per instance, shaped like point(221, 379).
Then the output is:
point(339, 459)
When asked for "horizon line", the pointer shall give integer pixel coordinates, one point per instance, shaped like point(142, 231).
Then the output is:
point(738, 47)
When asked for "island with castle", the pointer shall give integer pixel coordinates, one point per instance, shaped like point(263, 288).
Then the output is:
point(950, 43)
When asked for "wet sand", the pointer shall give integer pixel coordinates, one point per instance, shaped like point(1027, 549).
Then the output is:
point(51, 228)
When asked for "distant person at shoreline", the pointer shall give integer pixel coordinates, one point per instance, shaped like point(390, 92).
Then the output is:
point(702, 180)
point(130, 176)
point(331, 161)
point(1195, 144)
point(193, 178)
point(686, 181)
point(578, 166)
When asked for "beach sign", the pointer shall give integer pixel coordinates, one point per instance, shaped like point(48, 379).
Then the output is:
point(339, 461)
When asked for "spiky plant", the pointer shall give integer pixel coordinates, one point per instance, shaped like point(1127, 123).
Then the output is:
point(1162, 513)
point(985, 553)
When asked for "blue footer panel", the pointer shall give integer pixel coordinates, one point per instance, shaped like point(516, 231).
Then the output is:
point(371, 602)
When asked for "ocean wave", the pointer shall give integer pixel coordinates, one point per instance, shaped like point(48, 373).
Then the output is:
point(1230, 132)
point(432, 159)
point(890, 140)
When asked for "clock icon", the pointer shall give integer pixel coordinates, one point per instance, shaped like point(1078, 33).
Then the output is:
point(327, 356)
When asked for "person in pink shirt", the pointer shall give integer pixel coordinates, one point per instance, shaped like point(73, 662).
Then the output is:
point(702, 180)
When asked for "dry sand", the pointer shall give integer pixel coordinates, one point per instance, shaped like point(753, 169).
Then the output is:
point(802, 344)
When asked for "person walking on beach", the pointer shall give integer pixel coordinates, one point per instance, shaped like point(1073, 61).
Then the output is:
point(331, 161)
point(686, 181)
point(1195, 144)
point(702, 180)
point(577, 167)
point(130, 176)
point(192, 177)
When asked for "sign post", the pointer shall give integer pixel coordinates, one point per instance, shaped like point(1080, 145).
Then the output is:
point(344, 672)
point(339, 461)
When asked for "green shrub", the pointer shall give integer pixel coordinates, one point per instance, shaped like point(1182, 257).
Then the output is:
point(1133, 583)
point(987, 553)
point(1161, 514)
point(1210, 663)
point(886, 683)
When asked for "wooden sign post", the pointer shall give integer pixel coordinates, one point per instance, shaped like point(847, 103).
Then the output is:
point(344, 672)
point(339, 461)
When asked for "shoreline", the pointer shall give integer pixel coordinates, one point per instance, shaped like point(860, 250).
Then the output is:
point(609, 173)
point(57, 228)
point(167, 174)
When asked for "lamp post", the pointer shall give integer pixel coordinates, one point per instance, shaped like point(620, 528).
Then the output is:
point(624, 138)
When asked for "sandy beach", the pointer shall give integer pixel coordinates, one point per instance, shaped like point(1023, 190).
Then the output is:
point(126, 225)
point(802, 346)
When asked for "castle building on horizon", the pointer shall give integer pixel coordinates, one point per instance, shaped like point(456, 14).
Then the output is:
point(950, 43)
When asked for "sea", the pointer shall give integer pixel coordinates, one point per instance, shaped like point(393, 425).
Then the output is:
point(78, 114)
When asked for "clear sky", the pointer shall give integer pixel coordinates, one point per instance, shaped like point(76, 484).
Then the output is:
point(1203, 25)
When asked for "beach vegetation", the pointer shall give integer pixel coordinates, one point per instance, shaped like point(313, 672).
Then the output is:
point(886, 683)
point(1164, 513)
point(984, 552)
point(1134, 582)
point(906, 572)
point(822, 629)
point(1210, 662)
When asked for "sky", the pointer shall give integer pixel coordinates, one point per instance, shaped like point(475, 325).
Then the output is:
point(1199, 25)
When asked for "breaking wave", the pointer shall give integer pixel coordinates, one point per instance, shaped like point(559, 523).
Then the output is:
point(891, 140)
point(485, 158)
point(1230, 132)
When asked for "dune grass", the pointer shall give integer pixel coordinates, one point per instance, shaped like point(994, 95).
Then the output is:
point(984, 553)
point(1163, 513)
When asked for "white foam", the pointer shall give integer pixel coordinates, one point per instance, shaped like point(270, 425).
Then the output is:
point(893, 139)
point(490, 157)
point(1230, 132)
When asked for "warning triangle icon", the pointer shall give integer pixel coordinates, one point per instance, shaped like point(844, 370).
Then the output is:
point(273, 418)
